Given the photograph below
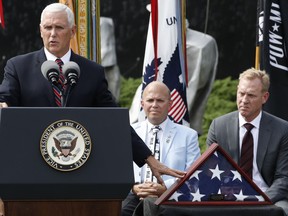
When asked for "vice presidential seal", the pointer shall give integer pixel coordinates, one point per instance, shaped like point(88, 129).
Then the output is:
point(65, 145)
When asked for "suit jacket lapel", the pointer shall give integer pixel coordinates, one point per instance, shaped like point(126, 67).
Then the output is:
point(41, 57)
point(168, 136)
point(263, 139)
point(233, 137)
point(73, 58)
point(142, 131)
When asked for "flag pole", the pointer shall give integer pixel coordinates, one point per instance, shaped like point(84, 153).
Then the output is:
point(257, 57)
point(259, 33)
point(184, 29)
point(154, 17)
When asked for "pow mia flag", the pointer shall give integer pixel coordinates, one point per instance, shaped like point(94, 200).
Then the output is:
point(272, 40)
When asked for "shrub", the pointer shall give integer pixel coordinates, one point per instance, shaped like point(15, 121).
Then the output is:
point(222, 100)
point(127, 91)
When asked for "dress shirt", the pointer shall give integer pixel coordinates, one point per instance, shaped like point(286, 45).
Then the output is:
point(149, 136)
point(65, 58)
point(257, 178)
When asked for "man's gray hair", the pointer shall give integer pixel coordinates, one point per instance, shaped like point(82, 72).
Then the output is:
point(59, 7)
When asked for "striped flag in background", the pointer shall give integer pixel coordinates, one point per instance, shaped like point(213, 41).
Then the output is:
point(1, 15)
point(74, 42)
point(165, 54)
point(87, 19)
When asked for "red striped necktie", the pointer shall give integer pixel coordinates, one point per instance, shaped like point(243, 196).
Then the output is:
point(246, 159)
point(58, 90)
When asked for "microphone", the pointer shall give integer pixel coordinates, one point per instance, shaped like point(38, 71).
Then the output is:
point(50, 71)
point(71, 71)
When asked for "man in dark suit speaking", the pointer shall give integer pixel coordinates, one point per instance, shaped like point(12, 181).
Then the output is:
point(269, 146)
point(24, 84)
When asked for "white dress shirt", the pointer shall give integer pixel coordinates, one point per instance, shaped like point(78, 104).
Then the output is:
point(257, 178)
point(50, 56)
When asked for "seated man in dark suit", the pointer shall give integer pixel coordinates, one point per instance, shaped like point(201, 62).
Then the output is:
point(269, 146)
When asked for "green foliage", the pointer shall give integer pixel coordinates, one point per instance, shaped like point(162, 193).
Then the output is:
point(221, 101)
point(127, 91)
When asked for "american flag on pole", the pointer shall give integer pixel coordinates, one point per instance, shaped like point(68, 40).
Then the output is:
point(214, 178)
point(2, 15)
point(165, 54)
point(272, 52)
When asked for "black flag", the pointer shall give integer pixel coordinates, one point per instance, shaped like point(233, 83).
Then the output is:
point(272, 44)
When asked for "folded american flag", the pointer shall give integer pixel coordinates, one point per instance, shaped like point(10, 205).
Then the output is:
point(214, 178)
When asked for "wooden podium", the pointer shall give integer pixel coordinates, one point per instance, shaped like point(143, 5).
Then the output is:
point(33, 184)
point(63, 208)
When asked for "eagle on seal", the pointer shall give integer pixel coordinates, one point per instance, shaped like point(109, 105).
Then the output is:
point(65, 143)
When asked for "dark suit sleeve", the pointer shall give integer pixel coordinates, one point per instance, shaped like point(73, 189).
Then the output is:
point(9, 86)
point(275, 167)
point(140, 150)
point(211, 136)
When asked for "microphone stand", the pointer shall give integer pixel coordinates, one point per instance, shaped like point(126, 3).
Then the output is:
point(67, 94)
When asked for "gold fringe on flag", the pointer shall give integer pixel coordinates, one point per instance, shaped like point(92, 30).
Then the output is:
point(83, 23)
point(74, 42)
point(87, 18)
point(95, 26)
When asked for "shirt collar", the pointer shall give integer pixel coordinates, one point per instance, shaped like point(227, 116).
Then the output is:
point(255, 122)
point(162, 125)
point(65, 58)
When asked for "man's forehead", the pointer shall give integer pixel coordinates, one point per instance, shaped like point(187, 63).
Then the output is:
point(254, 89)
point(154, 96)
point(56, 17)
